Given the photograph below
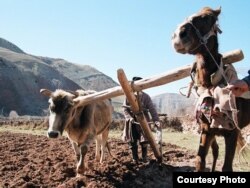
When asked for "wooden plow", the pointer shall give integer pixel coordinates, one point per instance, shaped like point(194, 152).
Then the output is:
point(128, 90)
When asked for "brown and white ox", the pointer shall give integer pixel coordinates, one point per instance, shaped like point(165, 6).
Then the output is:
point(82, 124)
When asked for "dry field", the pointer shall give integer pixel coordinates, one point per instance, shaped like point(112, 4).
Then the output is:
point(29, 159)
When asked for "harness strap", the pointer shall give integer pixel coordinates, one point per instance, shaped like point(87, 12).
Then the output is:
point(212, 32)
point(203, 41)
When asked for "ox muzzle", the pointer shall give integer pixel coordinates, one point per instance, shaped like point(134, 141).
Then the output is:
point(54, 134)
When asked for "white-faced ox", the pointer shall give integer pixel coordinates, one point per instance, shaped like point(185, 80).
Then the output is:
point(82, 124)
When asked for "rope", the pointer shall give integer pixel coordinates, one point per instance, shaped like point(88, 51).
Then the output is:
point(189, 92)
point(219, 68)
point(232, 105)
point(181, 91)
point(203, 41)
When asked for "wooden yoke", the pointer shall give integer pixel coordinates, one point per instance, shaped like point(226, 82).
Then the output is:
point(128, 91)
point(161, 79)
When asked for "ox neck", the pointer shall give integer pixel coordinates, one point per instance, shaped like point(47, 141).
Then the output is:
point(208, 61)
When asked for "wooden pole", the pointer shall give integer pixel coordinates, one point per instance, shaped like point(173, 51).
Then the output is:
point(128, 91)
point(139, 85)
point(232, 56)
point(165, 78)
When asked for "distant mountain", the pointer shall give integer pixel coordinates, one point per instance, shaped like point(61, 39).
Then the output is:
point(10, 46)
point(23, 75)
point(174, 104)
point(84, 75)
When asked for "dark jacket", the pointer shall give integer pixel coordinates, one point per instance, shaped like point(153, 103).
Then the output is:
point(247, 79)
point(148, 110)
point(147, 107)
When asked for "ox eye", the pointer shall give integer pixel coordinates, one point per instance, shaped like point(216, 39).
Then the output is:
point(52, 108)
point(67, 107)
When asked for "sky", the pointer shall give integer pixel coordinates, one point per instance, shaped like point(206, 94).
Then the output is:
point(134, 35)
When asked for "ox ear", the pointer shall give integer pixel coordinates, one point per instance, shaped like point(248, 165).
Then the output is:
point(46, 92)
point(217, 11)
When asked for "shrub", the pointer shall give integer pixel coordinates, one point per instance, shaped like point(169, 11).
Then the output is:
point(13, 114)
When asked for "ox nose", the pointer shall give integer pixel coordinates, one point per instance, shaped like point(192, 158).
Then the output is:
point(53, 134)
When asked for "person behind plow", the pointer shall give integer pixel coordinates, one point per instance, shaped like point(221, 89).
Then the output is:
point(132, 132)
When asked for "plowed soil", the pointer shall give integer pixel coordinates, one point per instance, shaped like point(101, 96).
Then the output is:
point(35, 161)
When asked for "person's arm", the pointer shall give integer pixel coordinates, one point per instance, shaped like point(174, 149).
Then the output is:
point(150, 106)
point(238, 87)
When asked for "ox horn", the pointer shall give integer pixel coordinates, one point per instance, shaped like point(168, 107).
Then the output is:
point(46, 92)
point(76, 94)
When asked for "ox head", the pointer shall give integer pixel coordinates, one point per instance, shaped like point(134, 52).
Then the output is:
point(197, 31)
point(61, 107)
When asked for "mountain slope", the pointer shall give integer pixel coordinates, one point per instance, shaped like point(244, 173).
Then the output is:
point(23, 75)
point(21, 78)
point(174, 104)
point(10, 46)
point(84, 75)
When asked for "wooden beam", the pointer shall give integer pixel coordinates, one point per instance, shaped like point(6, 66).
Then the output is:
point(138, 86)
point(232, 56)
point(101, 95)
point(128, 91)
point(161, 79)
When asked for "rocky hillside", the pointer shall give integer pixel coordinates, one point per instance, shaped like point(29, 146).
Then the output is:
point(23, 75)
point(84, 75)
point(174, 104)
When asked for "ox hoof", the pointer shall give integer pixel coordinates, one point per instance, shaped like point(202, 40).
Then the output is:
point(80, 171)
point(79, 175)
point(97, 159)
point(90, 165)
point(199, 164)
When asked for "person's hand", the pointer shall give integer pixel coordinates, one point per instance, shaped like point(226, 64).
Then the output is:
point(131, 120)
point(158, 138)
point(158, 125)
point(238, 87)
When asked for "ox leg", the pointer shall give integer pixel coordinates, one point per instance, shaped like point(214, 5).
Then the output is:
point(230, 144)
point(215, 152)
point(98, 148)
point(104, 144)
point(81, 166)
point(76, 150)
point(205, 141)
